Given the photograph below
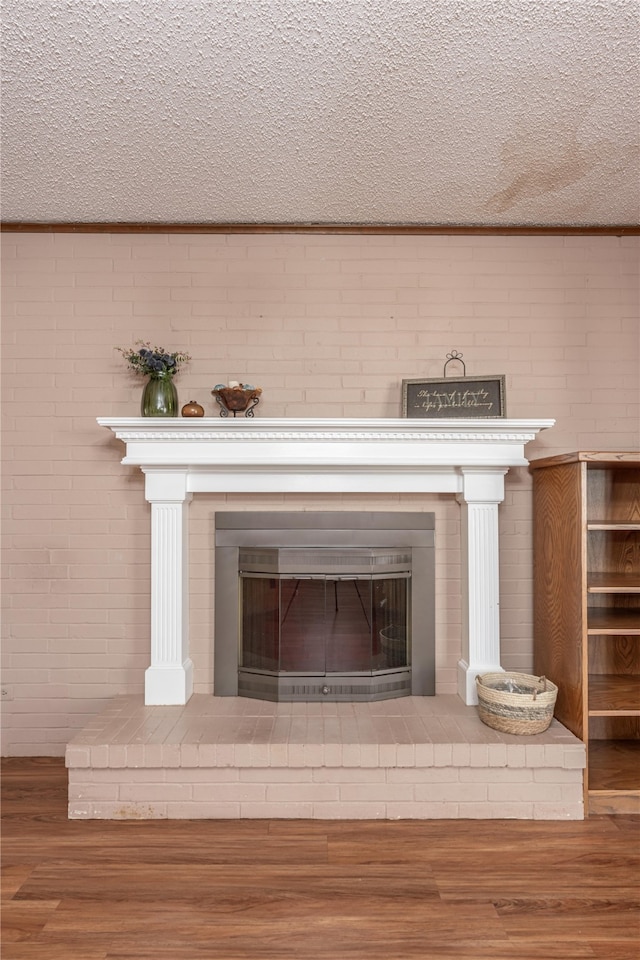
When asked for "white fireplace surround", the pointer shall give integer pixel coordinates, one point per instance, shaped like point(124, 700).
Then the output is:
point(183, 457)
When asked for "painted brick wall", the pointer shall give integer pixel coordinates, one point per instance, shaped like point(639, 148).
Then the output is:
point(327, 326)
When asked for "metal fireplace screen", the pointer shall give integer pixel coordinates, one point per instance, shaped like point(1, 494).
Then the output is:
point(324, 605)
point(325, 624)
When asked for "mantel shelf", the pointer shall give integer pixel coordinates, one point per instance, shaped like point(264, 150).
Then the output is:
point(288, 445)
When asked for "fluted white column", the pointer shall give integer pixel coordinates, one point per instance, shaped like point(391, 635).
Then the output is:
point(483, 490)
point(169, 678)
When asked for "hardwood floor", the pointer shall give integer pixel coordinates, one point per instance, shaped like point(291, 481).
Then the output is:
point(309, 890)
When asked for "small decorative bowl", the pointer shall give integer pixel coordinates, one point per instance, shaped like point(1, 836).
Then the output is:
point(237, 399)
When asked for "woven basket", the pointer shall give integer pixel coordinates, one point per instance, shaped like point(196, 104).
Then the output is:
point(516, 702)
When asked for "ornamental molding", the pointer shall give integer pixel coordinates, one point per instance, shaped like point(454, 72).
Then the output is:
point(326, 435)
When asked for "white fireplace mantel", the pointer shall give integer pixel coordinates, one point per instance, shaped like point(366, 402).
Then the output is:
point(183, 457)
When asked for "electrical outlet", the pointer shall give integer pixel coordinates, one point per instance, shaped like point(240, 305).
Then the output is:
point(7, 693)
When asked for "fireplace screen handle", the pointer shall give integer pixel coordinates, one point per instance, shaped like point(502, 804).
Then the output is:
point(335, 593)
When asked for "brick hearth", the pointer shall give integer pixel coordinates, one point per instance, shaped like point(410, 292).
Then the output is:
point(227, 757)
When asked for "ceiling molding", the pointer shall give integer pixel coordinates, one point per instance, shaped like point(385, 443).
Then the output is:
point(399, 229)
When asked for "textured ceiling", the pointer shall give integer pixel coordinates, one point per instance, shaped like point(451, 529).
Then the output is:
point(437, 112)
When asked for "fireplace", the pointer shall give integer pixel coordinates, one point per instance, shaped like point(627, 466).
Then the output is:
point(324, 605)
point(180, 459)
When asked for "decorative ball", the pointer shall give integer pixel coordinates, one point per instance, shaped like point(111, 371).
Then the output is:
point(192, 409)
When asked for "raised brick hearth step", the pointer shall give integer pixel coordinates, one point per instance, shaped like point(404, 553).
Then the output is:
point(226, 757)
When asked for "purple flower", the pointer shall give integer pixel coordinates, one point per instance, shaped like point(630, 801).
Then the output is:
point(153, 361)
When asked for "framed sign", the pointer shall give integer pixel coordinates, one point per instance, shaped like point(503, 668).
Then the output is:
point(479, 397)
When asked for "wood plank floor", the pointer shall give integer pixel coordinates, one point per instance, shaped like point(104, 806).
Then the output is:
point(309, 890)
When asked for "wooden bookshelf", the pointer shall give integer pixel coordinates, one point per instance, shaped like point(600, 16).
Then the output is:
point(587, 612)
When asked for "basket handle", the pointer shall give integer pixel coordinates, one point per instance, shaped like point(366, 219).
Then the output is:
point(543, 681)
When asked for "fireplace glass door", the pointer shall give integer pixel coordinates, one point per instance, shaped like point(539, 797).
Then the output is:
point(331, 635)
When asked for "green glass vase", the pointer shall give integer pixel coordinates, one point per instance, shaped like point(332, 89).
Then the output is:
point(159, 398)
